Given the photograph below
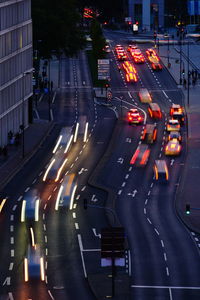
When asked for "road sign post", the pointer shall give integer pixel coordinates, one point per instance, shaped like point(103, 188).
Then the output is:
point(112, 248)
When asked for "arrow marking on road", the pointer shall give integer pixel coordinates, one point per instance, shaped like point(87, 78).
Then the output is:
point(95, 233)
point(7, 281)
point(120, 160)
point(133, 193)
point(82, 170)
point(94, 199)
point(172, 162)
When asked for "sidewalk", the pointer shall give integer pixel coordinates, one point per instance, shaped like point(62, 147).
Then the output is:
point(189, 186)
point(34, 136)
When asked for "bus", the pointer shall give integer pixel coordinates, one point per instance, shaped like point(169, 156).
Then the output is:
point(154, 111)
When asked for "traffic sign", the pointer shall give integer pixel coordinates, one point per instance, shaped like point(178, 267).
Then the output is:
point(103, 69)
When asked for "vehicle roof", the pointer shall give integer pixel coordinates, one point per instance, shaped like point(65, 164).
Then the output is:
point(161, 165)
point(154, 106)
point(174, 122)
point(150, 127)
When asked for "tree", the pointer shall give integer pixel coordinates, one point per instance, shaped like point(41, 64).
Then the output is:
point(56, 27)
point(98, 40)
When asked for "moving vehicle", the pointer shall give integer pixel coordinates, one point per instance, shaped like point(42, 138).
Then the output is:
point(149, 134)
point(121, 55)
point(137, 55)
point(81, 128)
point(66, 193)
point(173, 147)
point(134, 117)
point(130, 72)
point(173, 125)
point(155, 64)
point(30, 207)
point(175, 135)
point(141, 156)
point(154, 111)
point(131, 47)
point(161, 171)
point(177, 113)
point(151, 52)
point(144, 95)
point(34, 268)
point(58, 162)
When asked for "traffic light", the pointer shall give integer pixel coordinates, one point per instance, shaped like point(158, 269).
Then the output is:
point(187, 209)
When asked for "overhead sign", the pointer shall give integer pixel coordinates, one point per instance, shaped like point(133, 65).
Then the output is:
point(103, 69)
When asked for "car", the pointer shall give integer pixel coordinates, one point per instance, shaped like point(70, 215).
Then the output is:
point(149, 134)
point(66, 193)
point(177, 112)
point(174, 135)
point(138, 57)
point(34, 265)
point(141, 156)
point(121, 55)
point(155, 64)
point(131, 47)
point(151, 52)
point(173, 125)
point(144, 95)
point(134, 117)
point(173, 147)
point(154, 111)
point(130, 72)
point(161, 172)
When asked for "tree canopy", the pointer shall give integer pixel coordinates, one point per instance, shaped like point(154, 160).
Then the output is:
point(56, 27)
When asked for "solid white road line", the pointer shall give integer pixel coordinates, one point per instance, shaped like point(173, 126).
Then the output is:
point(81, 252)
point(166, 287)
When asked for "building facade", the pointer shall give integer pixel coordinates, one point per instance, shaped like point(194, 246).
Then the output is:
point(148, 13)
point(15, 66)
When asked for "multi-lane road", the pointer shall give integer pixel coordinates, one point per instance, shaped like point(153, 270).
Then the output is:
point(163, 260)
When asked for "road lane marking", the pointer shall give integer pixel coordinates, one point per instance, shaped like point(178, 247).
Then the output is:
point(149, 220)
point(45, 239)
point(50, 294)
point(81, 252)
point(165, 94)
point(124, 183)
point(162, 243)
point(76, 226)
point(167, 270)
point(146, 201)
point(12, 218)
point(7, 281)
point(11, 266)
point(120, 191)
point(165, 256)
point(74, 215)
point(34, 181)
point(127, 176)
point(20, 198)
point(27, 189)
point(156, 231)
point(14, 207)
point(12, 240)
point(11, 228)
point(12, 252)
point(166, 287)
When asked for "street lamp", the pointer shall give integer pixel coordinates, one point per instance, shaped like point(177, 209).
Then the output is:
point(180, 34)
point(22, 126)
point(188, 87)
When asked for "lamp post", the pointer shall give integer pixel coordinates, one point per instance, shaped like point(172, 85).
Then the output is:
point(188, 87)
point(180, 58)
point(168, 52)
